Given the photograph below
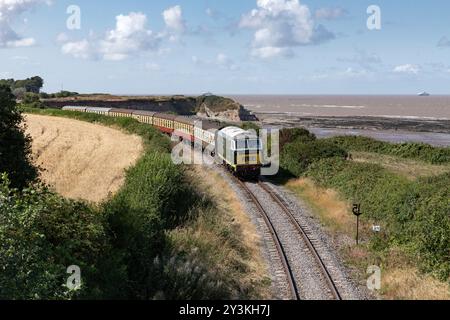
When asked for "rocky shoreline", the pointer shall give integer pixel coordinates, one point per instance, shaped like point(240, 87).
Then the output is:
point(432, 131)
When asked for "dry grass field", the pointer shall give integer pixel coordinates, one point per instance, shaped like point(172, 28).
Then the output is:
point(81, 160)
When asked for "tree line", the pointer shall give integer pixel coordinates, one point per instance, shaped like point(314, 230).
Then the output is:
point(20, 87)
point(29, 90)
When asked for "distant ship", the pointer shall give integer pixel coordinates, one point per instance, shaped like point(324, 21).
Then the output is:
point(424, 94)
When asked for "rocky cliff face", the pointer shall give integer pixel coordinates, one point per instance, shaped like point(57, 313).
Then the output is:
point(222, 109)
point(182, 106)
point(241, 114)
point(211, 107)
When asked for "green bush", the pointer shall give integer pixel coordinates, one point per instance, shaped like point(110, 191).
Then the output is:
point(15, 145)
point(295, 134)
point(42, 235)
point(415, 151)
point(414, 214)
point(431, 224)
point(296, 157)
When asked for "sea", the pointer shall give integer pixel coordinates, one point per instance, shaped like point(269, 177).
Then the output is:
point(413, 107)
point(398, 107)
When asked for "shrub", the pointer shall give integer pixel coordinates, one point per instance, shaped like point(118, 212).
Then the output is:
point(296, 157)
point(42, 235)
point(154, 199)
point(15, 146)
point(416, 151)
point(296, 134)
point(414, 214)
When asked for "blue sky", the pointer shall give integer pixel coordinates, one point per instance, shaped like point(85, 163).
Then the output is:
point(228, 47)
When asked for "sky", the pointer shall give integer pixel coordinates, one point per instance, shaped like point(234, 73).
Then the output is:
point(228, 47)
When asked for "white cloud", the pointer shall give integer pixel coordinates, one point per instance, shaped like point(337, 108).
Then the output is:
point(10, 10)
point(270, 52)
point(20, 58)
point(79, 49)
point(222, 58)
point(281, 25)
point(354, 73)
point(210, 12)
point(364, 59)
point(24, 42)
point(224, 61)
point(173, 17)
point(129, 37)
point(62, 37)
point(330, 13)
point(5, 74)
point(407, 68)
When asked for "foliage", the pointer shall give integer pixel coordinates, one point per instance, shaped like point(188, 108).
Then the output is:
point(295, 135)
point(153, 247)
point(215, 103)
point(33, 84)
point(65, 94)
point(42, 235)
point(416, 151)
point(32, 100)
point(15, 146)
point(19, 93)
point(154, 199)
point(297, 156)
point(251, 126)
point(414, 214)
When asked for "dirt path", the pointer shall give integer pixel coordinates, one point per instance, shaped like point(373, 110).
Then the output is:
point(81, 160)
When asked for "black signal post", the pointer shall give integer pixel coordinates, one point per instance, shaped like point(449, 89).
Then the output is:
point(357, 212)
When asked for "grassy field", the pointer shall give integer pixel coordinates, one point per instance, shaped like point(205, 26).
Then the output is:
point(168, 236)
point(402, 188)
point(82, 160)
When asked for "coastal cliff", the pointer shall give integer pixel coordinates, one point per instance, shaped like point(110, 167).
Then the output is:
point(206, 106)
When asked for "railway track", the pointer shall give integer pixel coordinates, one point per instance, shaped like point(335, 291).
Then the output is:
point(306, 272)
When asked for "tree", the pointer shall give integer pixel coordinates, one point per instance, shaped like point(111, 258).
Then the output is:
point(15, 146)
point(35, 84)
point(19, 93)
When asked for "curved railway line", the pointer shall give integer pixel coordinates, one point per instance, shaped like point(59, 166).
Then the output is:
point(307, 276)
